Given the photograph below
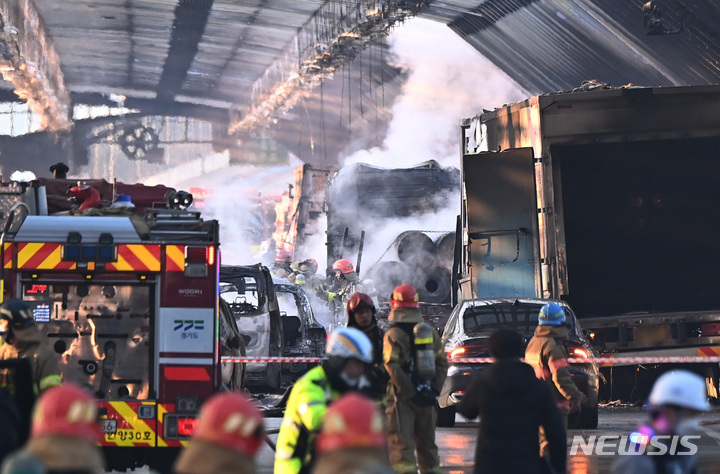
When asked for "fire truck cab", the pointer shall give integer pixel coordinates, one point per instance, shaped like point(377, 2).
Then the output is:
point(128, 301)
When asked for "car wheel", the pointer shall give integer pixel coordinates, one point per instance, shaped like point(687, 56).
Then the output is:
point(446, 417)
point(589, 417)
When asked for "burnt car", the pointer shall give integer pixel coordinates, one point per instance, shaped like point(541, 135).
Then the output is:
point(303, 335)
point(466, 335)
point(250, 294)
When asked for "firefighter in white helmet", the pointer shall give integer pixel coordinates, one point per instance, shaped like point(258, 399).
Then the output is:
point(668, 442)
point(348, 353)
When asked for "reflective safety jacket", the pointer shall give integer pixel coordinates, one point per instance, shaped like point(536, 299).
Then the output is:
point(28, 344)
point(546, 353)
point(303, 419)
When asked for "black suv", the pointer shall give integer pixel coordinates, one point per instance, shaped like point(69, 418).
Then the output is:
point(466, 335)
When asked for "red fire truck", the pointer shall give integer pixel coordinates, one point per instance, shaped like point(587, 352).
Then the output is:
point(128, 300)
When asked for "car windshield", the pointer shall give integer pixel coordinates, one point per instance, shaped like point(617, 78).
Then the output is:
point(521, 317)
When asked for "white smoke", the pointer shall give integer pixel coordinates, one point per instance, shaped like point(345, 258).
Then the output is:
point(448, 81)
point(22, 176)
point(232, 198)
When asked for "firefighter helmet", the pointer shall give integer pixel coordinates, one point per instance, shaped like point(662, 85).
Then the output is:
point(349, 343)
point(230, 420)
point(283, 256)
point(308, 265)
point(66, 410)
point(344, 265)
point(17, 313)
point(404, 296)
point(680, 388)
point(359, 301)
point(551, 315)
point(352, 422)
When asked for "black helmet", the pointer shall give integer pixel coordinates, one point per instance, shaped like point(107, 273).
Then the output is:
point(17, 313)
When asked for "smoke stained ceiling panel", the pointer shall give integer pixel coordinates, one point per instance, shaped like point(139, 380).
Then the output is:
point(551, 45)
point(122, 47)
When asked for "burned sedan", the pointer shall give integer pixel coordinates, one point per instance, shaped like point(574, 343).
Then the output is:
point(303, 335)
point(466, 335)
point(250, 294)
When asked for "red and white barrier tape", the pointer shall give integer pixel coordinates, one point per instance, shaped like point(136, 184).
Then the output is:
point(601, 361)
point(277, 360)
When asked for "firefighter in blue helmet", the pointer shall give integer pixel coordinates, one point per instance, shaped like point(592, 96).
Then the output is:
point(348, 353)
point(547, 354)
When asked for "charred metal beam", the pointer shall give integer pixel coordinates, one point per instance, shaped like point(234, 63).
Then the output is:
point(190, 20)
point(332, 37)
point(29, 61)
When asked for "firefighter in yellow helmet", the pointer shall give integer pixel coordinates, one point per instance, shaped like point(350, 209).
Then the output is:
point(348, 353)
point(22, 340)
point(353, 438)
point(417, 366)
point(228, 434)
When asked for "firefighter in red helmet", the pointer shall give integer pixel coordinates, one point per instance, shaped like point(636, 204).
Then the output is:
point(282, 266)
point(308, 269)
point(417, 366)
point(345, 283)
point(363, 316)
point(228, 434)
point(353, 438)
point(65, 432)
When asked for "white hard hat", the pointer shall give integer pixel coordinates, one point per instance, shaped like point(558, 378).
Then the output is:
point(680, 388)
point(347, 343)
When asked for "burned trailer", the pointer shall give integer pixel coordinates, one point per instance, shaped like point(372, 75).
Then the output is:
point(371, 216)
point(607, 199)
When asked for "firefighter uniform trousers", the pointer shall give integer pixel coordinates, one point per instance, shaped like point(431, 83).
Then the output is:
point(405, 419)
point(411, 426)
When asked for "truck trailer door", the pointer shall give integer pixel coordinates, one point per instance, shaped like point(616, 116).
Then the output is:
point(499, 258)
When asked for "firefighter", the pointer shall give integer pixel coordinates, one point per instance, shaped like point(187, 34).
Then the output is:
point(308, 269)
point(353, 438)
point(282, 267)
point(22, 340)
point(65, 433)
point(417, 366)
point(347, 354)
point(676, 400)
point(345, 283)
point(546, 353)
point(227, 437)
point(363, 316)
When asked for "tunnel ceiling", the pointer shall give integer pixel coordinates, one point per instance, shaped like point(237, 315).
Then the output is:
point(317, 76)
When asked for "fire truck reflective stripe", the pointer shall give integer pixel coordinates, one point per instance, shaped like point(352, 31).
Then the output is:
point(137, 258)
point(199, 374)
point(185, 361)
point(7, 260)
point(175, 258)
point(558, 364)
point(708, 351)
point(42, 256)
point(139, 434)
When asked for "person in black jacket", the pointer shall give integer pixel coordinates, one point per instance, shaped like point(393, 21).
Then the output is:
point(362, 315)
point(512, 404)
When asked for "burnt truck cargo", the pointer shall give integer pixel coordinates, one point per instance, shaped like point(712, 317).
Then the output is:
point(606, 199)
point(365, 202)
